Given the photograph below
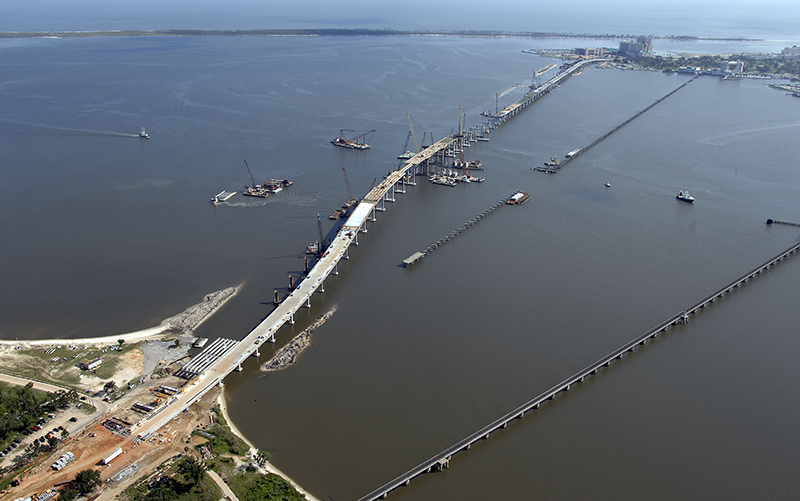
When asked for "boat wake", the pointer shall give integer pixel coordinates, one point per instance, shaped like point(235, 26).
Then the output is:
point(67, 131)
point(243, 204)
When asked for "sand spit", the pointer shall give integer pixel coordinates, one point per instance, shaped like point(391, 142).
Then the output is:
point(184, 322)
point(287, 355)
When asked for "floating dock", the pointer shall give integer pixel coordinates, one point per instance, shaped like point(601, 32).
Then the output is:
point(222, 196)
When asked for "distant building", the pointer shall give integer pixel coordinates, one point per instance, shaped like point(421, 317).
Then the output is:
point(642, 46)
point(592, 52)
point(90, 366)
point(792, 52)
point(729, 68)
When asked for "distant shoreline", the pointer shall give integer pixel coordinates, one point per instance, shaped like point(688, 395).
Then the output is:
point(348, 32)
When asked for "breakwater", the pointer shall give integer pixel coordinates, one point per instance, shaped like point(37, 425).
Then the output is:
point(288, 355)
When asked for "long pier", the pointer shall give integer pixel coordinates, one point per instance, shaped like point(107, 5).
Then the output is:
point(576, 153)
point(442, 459)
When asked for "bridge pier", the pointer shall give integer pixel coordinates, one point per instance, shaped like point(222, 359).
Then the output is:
point(239, 368)
point(308, 302)
point(336, 268)
point(291, 319)
point(322, 286)
point(347, 252)
point(372, 215)
point(277, 299)
point(363, 227)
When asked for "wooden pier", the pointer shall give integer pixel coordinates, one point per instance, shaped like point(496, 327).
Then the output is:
point(442, 460)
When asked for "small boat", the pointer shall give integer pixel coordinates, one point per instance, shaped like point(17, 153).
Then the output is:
point(608, 185)
point(273, 185)
point(143, 134)
point(684, 196)
point(553, 162)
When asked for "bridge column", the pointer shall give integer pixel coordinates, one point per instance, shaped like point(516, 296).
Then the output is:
point(271, 338)
point(383, 206)
point(347, 252)
point(256, 353)
point(239, 368)
point(336, 268)
point(308, 302)
point(372, 215)
point(363, 227)
point(322, 286)
point(291, 319)
point(277, 298)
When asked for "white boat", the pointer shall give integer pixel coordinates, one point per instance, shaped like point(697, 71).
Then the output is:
point(684, 196)
point(143, 134)
point(608, 185)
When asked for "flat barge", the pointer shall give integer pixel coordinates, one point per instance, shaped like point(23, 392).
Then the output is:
point(518, 198)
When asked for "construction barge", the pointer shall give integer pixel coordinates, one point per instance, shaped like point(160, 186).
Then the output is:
point(518, 198)
point(353, 144)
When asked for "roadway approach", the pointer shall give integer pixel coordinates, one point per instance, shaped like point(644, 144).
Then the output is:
point(299, 297)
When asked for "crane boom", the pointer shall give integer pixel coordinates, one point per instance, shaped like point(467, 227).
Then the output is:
point(347, 182)
point(416, 146)
point(250, 172)
point(355, 139)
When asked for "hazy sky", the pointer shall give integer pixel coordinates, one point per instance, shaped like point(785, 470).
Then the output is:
point(770, 18)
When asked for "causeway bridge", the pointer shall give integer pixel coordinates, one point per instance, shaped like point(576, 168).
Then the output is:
point(228, 356)
point(442, 459)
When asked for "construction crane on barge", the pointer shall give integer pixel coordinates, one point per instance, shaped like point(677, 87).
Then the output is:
point(352, 143)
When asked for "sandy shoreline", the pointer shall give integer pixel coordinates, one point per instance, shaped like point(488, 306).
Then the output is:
point(269, 466)
point(191, 318)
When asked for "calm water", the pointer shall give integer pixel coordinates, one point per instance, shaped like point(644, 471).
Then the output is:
point(107, 234)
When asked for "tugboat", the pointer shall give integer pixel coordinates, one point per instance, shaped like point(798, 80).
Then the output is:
point(143, 134)
point(684, 196)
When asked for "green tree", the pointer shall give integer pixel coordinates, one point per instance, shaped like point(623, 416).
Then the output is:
point(190, 471)
point(67, 494)
point(121, 342)
point(110, 386)
point(86, 481)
